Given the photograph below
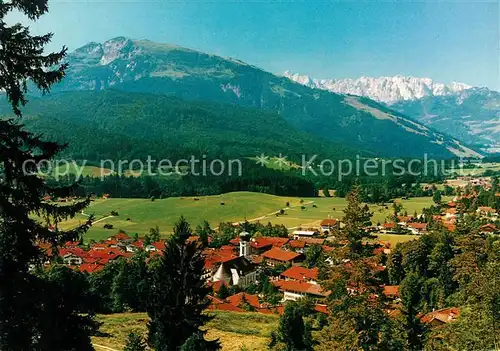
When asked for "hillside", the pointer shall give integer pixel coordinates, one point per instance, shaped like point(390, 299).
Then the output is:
point(472, 115)
point(144, 66)
point(134, 125)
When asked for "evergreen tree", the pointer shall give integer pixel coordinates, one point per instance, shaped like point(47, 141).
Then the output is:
point(437, 197)
point(135, 342)
point(154, 234)
point(356, 217)
point(204, 232)
point(178, 294)
point(410, 296)
point(223, 292)
point(326, 192)
point(26, 300)
point(293, 332)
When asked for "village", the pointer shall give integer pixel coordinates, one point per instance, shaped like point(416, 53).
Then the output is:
point(236, 267)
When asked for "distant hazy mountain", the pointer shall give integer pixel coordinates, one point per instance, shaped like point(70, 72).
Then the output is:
point(472, 115)
point(468, 113)
point(383, 89)
point(356, 123)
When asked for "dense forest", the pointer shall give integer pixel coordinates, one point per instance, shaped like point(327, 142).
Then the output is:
point(119, 125)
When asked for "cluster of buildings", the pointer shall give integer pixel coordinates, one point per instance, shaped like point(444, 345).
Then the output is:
point(100, 254)
point(240, 263)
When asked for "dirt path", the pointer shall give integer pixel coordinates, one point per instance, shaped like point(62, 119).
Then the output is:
point(102, 347)
point(97, 221)
point(273, 213)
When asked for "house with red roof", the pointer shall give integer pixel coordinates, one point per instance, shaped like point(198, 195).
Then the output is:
point(294, 290)
point(260, 245)
point(221, 305)
point(440, 317)
point(242, 298)
point(329, 224)
point(417, 228)
point(296, 244)
point(238, 271)
point(487, 211)
point(488, 228)
point(389, 227)
point(391, 291)
point(301, 274)
point(277, 256)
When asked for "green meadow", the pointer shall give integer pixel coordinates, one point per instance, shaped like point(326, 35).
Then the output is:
point(139, 215)
point(235, 330)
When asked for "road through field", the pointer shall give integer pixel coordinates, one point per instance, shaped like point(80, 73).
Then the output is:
point(273, 214)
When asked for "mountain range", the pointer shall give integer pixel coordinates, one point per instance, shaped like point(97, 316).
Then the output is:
point(470, 114)
point(343, 122)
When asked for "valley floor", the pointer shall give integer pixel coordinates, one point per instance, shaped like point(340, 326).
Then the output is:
point(139, 215)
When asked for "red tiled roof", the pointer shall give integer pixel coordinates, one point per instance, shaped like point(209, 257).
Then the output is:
point(138, 244)
point(328, 222)
point(260, 243)
point(76, 251)
point(327, 248)
point(444, 315)
point(111, 242)
point(487, 209)
point(301, 273)
point(159, 245)
point(235, 241)
point(452, 204)
point(90, 267)
point(450, 226)
point(71, 244)
point(276, 241)
point(420, 226)
point(297, 244)
point(217, 304)
point(489, 227)
point(389, 225)
point(239, 299)
point(280, 255)
point(391, 290)
point(300, 287)
point(321, 309)
point(121, 236)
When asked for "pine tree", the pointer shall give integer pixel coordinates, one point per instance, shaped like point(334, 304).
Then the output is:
point(178, 293)
point(410, 296)
point(204, 232)
point(25, 301)
point(357, 319)
point(437, 197)
point(293, 332)
point(356, 217)
point(223, 292)
point(135, 342)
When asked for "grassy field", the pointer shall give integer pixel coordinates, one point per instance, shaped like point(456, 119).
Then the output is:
point(236, 331)
point(479, 169)
point(143, 214)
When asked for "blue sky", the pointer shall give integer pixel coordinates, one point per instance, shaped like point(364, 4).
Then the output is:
point(447, 41)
